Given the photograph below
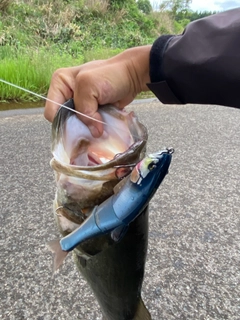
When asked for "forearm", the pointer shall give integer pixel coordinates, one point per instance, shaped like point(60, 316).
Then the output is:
point(200, 66)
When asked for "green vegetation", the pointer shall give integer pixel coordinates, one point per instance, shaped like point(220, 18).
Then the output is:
point(39, 36)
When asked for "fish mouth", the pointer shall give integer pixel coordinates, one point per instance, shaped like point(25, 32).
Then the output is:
point(94, 159)
point(87, 168)
point(73, 145)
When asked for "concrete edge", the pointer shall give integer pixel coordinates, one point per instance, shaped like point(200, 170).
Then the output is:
point(32, 111)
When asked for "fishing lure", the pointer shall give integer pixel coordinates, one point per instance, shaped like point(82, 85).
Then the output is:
point(131, 197)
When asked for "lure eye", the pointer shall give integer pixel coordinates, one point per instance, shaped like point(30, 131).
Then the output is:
point(151, 166)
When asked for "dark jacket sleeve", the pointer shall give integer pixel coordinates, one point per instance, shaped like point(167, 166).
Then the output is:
point(200, 66)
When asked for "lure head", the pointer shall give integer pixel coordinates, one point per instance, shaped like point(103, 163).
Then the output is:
point(151, 167)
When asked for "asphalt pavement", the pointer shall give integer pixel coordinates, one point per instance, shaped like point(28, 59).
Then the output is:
point(193, 264)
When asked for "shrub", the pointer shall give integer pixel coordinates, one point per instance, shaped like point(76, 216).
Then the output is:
point(144, 6)
point(4, 5)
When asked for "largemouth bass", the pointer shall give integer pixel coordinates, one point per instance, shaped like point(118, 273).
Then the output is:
point(91, 173)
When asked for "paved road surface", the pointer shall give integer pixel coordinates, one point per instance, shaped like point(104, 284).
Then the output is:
point(193, 266)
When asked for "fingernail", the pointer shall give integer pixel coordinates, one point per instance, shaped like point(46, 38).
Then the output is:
point(94, 131)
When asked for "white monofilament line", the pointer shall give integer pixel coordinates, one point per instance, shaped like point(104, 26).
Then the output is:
point(45, 98)
point(59, 104)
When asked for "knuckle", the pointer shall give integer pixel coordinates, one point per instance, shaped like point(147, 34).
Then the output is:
point(58, 74)
point(83, 77)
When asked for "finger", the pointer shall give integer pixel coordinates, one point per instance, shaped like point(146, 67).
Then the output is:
point(50, 110)
point(121, 104)
point(56, 99)
point(60, 90)
point(89, 113)
point(86, 100)
point(94, 124)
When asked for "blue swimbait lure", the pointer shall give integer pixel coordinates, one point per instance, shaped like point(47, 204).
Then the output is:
point(123, 207)
point(131, 197)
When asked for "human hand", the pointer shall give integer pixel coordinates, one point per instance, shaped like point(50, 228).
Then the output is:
point(114, 81)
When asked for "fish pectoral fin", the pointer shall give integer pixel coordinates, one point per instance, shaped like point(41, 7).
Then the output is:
point(118, 233)
point(142, 312)
point(59, 254)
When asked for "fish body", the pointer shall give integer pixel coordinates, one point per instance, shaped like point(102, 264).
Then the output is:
point(115, 271)
point(89, 172)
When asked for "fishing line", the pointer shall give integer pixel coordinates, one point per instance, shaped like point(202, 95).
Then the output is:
point(61, 105)
point(47, 99)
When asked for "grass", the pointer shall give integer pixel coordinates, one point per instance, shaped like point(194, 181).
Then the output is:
point(38, 37)
point(32, 71)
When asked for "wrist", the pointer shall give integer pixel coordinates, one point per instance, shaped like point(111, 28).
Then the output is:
point(136, 62)
point(139, 58)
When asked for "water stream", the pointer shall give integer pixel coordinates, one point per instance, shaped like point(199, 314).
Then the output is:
point(20, 105)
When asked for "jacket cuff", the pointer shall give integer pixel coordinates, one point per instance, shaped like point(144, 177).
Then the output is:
point(156, 58)
point(163, 92)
